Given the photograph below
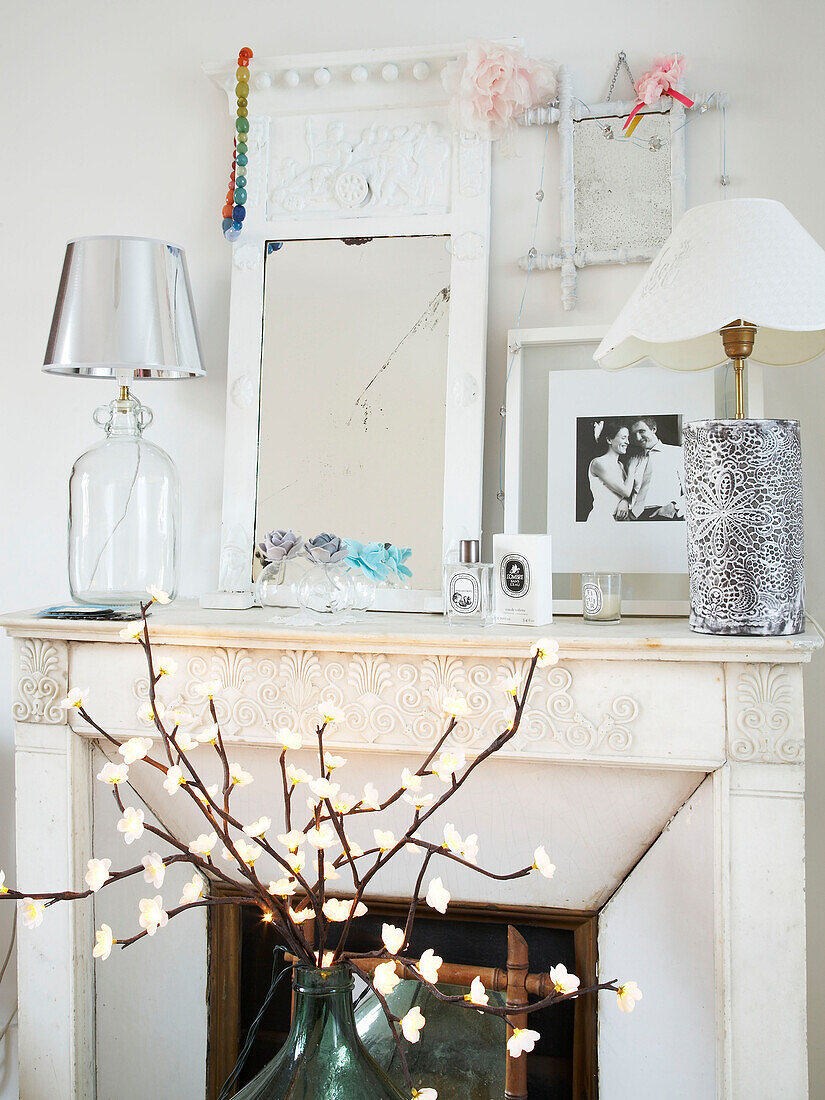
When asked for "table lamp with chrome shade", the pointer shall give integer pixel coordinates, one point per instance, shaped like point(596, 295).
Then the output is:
point(736, 278)
point(124, 311)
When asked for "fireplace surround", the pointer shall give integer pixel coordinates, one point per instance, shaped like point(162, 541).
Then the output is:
point(664, 771)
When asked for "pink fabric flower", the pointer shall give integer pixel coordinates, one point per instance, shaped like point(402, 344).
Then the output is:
point(494, 84)
point(664, 74)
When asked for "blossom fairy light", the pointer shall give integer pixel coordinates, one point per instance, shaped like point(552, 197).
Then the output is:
point(305, 852)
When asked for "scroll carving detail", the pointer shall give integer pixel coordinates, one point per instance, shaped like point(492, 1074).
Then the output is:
point(764, 724)
point(41, 684)
point(395, 700)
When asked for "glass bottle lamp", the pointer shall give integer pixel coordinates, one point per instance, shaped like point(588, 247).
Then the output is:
point(124, 311)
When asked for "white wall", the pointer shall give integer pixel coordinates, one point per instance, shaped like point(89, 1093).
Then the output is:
point(109, 126)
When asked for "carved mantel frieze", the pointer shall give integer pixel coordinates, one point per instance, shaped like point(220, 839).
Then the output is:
point(765, 714)
point(394, 700)
point(40, 682)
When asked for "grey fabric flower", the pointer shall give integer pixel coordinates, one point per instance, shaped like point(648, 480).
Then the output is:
point(279, 545)
point(325, 549)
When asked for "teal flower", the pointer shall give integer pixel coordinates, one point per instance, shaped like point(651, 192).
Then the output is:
point(378, 559)
point(396, 556)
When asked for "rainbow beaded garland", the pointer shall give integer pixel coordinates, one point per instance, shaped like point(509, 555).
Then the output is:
point(234, 210)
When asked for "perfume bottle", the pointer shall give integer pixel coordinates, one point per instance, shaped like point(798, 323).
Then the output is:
point(468, 586)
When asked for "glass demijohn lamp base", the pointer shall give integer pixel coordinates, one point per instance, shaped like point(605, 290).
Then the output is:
point(124, 512)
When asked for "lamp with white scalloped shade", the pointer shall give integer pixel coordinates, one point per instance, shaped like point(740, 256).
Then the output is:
point(736, 278)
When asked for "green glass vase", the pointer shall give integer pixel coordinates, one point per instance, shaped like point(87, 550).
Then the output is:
point(323, 1058)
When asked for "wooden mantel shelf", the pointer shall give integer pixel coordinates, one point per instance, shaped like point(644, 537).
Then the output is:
point(185, 623)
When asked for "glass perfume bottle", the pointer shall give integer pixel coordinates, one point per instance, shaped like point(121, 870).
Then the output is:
point(124, 511)
point(468, 585)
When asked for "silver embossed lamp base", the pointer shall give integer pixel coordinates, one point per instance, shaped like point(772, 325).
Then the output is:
point(743, 488)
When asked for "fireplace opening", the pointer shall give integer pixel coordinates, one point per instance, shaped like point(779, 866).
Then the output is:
point(562, 1066)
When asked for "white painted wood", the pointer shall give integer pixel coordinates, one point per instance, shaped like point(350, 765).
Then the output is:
point(567, 191)
point(55, 991)
point(658, 930)
point(627, 725)
point(462, 213)
point(763, 848)
point(583, 710)
point(158, 985)
point(634, 639)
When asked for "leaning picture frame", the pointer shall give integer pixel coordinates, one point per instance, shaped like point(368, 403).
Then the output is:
point(559, 407)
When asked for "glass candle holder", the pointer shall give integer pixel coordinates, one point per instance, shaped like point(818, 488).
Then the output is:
point(602, 597)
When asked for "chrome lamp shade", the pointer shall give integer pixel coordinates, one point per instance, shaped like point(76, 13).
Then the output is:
point(124, 310)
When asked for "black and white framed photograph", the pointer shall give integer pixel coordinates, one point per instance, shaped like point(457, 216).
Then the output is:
point(629, 469)
point(594, 458)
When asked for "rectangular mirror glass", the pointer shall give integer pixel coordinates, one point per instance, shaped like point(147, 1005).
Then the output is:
point(353, 393)
point(623, 188)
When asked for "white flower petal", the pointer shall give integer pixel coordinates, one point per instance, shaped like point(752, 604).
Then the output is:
point(437, 896)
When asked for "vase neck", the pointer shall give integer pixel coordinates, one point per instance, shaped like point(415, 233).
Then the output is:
point(124, 416)
point(323, 1001)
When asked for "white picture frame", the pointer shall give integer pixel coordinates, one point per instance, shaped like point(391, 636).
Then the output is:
point(526, 488)
point(400, 88)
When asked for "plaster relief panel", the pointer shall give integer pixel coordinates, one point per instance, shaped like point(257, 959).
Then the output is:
point(357, 165)
point(41, 681)
point(765, 711)
point(394, 701)
point(578, 710)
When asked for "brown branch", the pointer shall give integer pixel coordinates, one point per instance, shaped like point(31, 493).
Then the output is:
point(75, 895)
point(338, 825)
point(409, 967)
point(422, 771)
point(287, 794)
point(219, 745)
point(497, 744)
point(415, 895)
point(439, 850)
point(104, 733)
point(181, 909)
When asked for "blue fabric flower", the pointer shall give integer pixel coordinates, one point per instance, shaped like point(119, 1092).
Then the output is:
point(396, 556)
point(378, 559)
point(368, 557)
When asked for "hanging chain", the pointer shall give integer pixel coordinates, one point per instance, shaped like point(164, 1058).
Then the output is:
point(621, 61)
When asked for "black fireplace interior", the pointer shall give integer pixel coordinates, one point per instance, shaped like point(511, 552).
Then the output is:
point(473, 939)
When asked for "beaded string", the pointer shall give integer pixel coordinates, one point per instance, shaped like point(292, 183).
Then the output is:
point(234, 210)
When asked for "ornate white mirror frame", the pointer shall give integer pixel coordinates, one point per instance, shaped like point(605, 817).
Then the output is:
point(396, 89)
point(640, 247)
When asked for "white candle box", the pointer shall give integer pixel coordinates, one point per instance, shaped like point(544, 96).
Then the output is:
point(523, 579)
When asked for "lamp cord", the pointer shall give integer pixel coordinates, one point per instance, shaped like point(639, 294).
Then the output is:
point(256, 1023)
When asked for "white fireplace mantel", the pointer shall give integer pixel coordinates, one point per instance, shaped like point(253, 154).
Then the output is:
point(665, 769)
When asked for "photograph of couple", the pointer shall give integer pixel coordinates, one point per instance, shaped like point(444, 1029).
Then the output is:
point(629, 469)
